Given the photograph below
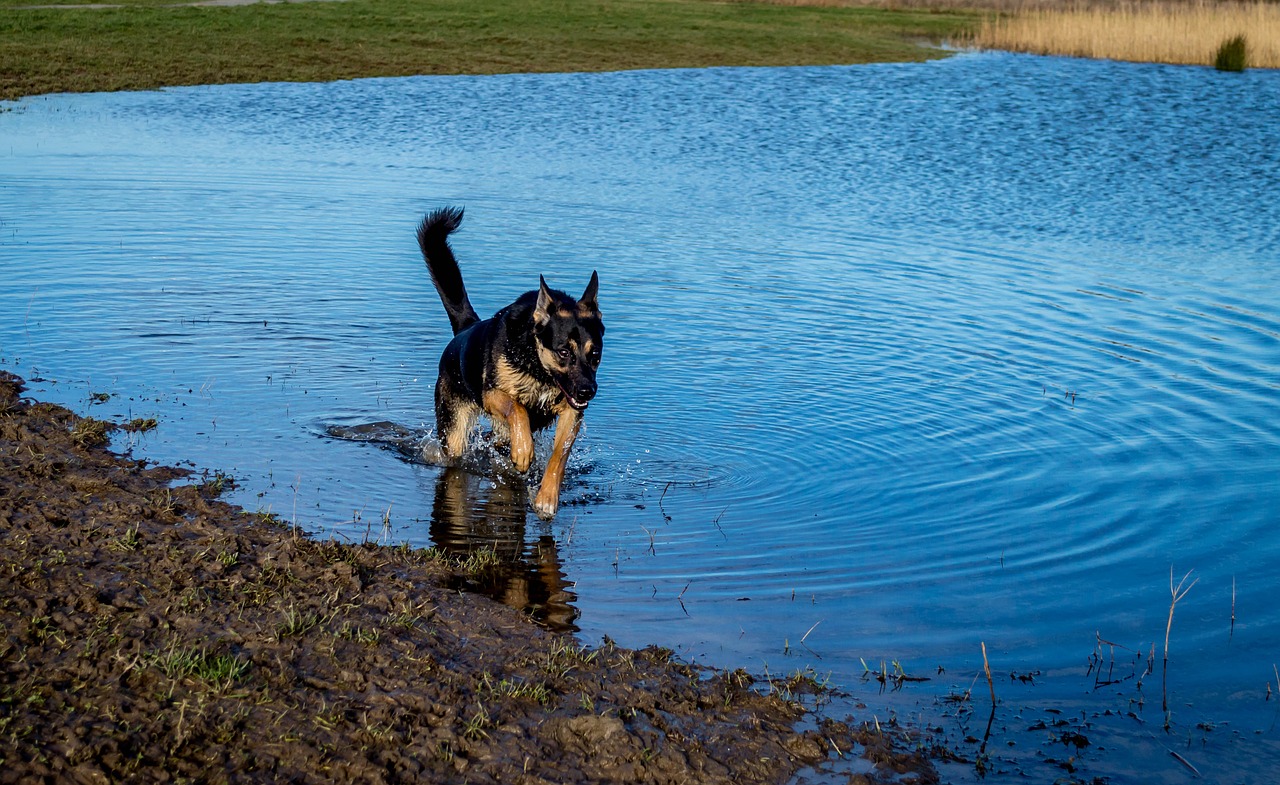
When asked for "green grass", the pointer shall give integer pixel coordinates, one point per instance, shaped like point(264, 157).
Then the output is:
point(216, 670)
point(147, 44)
point(1232, 55)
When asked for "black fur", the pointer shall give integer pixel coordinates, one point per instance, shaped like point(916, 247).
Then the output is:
point(533, 363)
point(433, 239)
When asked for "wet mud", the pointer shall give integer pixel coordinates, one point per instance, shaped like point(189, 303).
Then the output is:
point(150, 632)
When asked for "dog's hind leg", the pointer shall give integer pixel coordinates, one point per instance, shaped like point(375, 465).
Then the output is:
point(454, 420)
point(547, 501)
point(500, 405)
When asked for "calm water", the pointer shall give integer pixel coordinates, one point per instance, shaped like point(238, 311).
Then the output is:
point(902, 359)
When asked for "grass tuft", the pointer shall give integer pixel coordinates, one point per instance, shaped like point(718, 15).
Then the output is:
point(218, 671)
point(1233, 55)
point(296, 623)
point(140, 425)
point(88, 432)
point(129, 541)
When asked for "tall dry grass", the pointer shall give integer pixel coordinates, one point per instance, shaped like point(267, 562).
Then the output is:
point(1153, 32)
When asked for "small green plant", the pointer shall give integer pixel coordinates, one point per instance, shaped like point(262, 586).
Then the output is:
point(88, 432)
point(478, 726)
point(296, 623)
point(140, 425)
point(1233, 54)
point(479, 561)
point(41, 627)
point(407, 616)
point(167, 506)
point(516, 688)
point(565, 656)
point(265, 517)
point(129, 541)
point(217, 484)
point(216, 670)
point(434, 554)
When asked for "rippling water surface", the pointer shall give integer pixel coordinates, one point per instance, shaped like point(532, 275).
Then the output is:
point(902, 359)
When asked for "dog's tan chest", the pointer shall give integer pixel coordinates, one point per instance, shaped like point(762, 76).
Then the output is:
point(530, 392)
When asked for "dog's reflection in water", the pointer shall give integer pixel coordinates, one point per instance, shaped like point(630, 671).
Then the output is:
point(471, 512)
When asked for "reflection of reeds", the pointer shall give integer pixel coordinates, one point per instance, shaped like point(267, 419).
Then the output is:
point(1161, 32)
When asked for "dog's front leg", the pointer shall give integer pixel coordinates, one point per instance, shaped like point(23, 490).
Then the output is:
point(547, 501)
point(499, 404)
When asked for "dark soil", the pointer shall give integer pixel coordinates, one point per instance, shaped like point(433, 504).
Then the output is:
point(150, 632)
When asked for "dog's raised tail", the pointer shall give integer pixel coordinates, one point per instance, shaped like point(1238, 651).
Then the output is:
point(433, 239)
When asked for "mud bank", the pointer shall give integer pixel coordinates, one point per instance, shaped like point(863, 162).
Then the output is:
point(153, 632)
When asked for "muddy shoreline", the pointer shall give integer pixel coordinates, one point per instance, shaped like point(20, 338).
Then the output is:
point(152, 632)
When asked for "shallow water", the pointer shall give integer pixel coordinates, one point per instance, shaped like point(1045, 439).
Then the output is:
point(902, 359)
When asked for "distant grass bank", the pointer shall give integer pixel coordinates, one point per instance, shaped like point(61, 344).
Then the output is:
point(147, 43)
point(1189, 33)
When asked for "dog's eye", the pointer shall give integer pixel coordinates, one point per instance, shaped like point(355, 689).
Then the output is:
point(563, 354)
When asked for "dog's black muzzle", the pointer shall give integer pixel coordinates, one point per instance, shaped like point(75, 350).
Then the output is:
point(580, 392)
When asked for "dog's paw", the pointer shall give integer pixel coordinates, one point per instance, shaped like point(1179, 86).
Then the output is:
point(522, 453)
point(546, 504)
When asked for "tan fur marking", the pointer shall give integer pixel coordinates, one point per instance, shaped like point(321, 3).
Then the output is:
point(547, 501)
point(455, 441)
point(523, 387)
point(501, 405)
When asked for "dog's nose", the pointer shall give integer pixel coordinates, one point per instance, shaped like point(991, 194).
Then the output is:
point(585, 390)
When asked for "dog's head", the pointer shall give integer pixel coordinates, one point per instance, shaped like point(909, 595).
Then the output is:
point(570, 339)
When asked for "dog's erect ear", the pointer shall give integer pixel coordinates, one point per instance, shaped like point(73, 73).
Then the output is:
point(588, 299)
point(540, 315)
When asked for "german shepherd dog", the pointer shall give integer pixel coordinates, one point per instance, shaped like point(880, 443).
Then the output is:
point(532, 363)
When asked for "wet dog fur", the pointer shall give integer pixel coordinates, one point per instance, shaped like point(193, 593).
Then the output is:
point(532, 363)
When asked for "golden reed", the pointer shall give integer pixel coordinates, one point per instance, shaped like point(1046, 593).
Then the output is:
point(1158, 31)
point(1153, 32)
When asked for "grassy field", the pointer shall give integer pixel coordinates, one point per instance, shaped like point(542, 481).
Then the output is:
point(147, 43)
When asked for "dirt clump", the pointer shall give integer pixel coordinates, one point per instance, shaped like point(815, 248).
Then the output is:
point(149, 631)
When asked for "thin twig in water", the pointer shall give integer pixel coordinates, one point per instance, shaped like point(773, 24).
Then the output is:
point(297, 483)
point(806, 635)
point(646, 531)
point(987, 668)
point(1185, 762)
point(680, 597)
point(661, 509)
point(811, 629)
point(28, 316)
point(1176, 593)
point(717, 523)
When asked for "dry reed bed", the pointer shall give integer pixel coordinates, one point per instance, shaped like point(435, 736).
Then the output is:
point(1183, 33)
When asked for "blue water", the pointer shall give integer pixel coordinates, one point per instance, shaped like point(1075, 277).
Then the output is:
point(902, 359)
